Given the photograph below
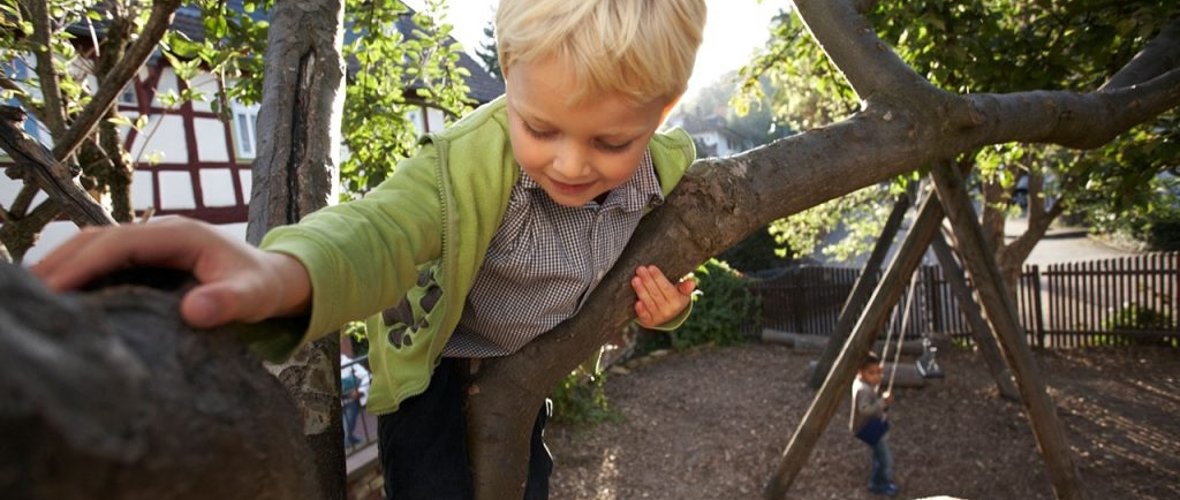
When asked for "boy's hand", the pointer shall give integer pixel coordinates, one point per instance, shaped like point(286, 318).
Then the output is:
point(659, 300)
point(237, 281)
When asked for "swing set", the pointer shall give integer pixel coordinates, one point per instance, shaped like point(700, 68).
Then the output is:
point(927, 366)
point(1003, 345)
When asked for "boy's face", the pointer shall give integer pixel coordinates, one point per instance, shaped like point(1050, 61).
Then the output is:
point(576, 152)
point(872, 374)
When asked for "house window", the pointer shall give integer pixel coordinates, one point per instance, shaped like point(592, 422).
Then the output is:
point(245, 120)
point(127, 97)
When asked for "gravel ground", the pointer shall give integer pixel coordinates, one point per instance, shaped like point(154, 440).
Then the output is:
point(712, 423)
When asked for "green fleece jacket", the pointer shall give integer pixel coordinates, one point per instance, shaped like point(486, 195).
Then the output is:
point(416, 243)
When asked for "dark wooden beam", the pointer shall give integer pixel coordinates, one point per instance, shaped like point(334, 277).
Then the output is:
point(860, 292)
point(980, 331)
point(1001, 313)
point(835, 386)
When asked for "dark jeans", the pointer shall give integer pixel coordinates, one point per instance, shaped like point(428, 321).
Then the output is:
point(882, 475)
point(423, 445)
point(350, 410)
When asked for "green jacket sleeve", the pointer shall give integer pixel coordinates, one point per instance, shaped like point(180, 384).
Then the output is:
point(362, 256)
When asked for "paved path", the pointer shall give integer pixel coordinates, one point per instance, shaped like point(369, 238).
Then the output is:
point(1064, 245)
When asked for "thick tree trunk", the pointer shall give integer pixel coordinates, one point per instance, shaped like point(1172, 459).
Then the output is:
point(295, 174)
point(107, 394)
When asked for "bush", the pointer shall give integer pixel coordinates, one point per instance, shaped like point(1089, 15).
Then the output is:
point(719, 314)
point(1137, 317)
point(757, 252)
point(580, 398)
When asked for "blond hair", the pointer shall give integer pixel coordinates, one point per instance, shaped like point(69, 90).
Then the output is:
point(641, 49)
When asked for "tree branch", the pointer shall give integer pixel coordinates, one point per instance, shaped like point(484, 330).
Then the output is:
point(112, 85)
point(10, 84)
point(51, 176)
point(54, 112)
point(24, 198)
point(869, 64)
point(1075, 120)
point(1159, 55)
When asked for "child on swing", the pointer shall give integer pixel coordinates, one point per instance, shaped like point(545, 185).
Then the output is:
point(869, 422)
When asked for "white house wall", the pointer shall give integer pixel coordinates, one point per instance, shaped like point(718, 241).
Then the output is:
point(206, 84)
point(188, 161)
point(211, 144)
point(217, 197)
point(161, 141)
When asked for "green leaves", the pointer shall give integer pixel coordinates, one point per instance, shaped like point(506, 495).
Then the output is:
point(394, 76)
point(998, 46)
point(719, 314)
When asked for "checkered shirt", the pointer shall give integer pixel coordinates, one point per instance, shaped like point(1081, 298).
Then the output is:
point(544, 261)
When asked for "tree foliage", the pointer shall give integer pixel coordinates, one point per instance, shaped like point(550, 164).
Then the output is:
point(48, 47)
point(489, 53)
point(390, 73)
point(1005, 46)
point(377, 124)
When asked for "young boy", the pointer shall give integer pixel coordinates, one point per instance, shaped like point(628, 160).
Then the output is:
point(495, 232)
point(869, 422)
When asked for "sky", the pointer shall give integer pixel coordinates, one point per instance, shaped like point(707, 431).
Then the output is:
point(735, 28)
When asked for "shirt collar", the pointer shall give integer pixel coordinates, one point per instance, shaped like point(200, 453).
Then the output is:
point(641, 191)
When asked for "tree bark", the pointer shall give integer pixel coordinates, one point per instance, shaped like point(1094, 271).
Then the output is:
point(295, 174)
point(36, 164)
point(107, 394)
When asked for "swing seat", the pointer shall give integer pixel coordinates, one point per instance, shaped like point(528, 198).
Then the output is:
point(873, 430)
point(926, 364)
point(929, 369)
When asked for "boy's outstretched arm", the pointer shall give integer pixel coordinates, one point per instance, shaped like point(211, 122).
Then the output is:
point(659, 299)
point(238, 282)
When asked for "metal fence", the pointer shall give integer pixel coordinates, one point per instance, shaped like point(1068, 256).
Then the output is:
point(1103, 302)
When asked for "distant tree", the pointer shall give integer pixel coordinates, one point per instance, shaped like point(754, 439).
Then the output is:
point(488, 52)
point(952, 45)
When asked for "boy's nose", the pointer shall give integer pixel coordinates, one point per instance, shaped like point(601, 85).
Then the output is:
point(571, 162)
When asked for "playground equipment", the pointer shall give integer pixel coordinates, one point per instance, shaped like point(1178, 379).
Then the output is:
point(1001, 314)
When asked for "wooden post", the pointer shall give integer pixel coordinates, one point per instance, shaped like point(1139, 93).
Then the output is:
point(835, 386)
point(979, 329)
point(1001, 313)
point(1038, 307)
point(860, 292)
